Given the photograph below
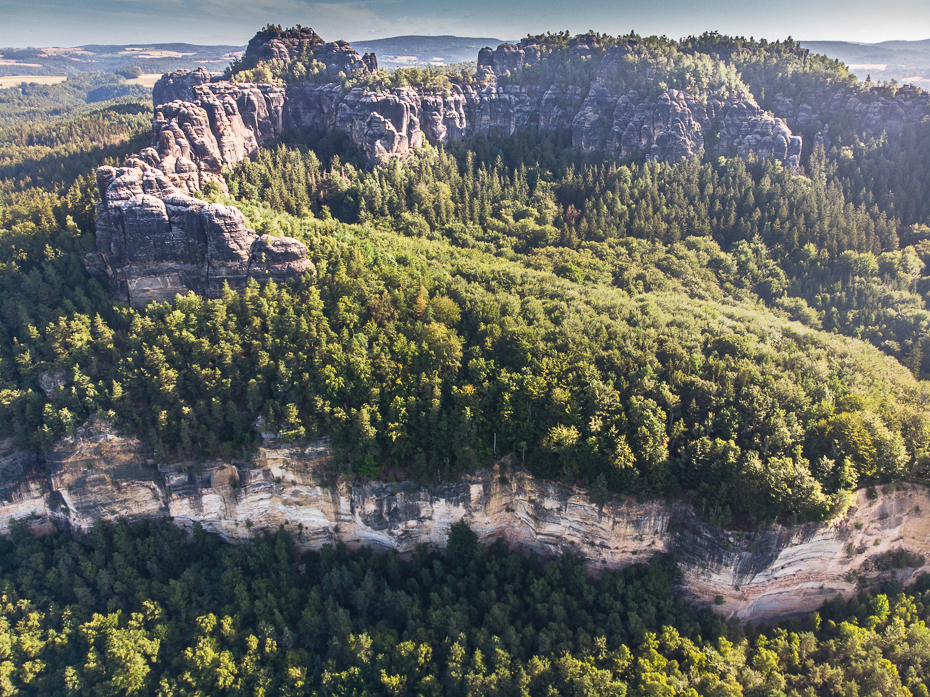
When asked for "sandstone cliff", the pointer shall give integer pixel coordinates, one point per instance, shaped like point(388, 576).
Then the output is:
point(873, 112)
point(222, 123)
point(155, 241)
point(669, 128)
point(100, 476)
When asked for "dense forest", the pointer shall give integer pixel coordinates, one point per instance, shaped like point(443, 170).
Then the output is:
point(142, 611)
point(79, 93)
point(751, 339)
point(729, 331)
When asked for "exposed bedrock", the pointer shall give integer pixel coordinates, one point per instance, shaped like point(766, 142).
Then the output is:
point(291, 44)
point(203, 123)
point(670, 127)
point(201, 127)
point(154, 241)
point(99, 475)
point(875, 113)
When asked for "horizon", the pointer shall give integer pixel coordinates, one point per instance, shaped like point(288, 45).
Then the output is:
point(72, 23)
point(402, 36)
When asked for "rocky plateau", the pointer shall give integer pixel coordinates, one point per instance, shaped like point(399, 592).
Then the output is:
point(204, 123)
point(226, 122)
point(98, 475)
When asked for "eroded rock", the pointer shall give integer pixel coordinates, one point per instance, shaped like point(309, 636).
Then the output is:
point(154, 241)
point(874, 112)
point(765, 575)
point(211, 130)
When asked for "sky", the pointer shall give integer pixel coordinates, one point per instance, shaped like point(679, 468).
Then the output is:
point(79, 22)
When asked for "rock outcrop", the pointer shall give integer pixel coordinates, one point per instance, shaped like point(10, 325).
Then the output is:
point(202, 126)
point(669, 128)
point(215, 123)
point(874, 111)
point(154, 240)
point(601, 117)
point(765, 575)
point(282, 45)
point(293, 44)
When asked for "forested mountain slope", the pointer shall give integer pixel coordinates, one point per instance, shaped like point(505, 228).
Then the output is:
point(607, 349)
point(140, 611)
point(728, 329)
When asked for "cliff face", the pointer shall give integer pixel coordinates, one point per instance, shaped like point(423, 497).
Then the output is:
point(155, 241)
point(199, 127)
point(874, 113)
point(671, 127)
point(600, 117)
point(98, 475)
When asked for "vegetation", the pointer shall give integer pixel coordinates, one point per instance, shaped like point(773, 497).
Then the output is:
point(137, 611)
point(699, 330)
point(82, 92)
point(307, 69)
point(615, 324)
point(723, 330)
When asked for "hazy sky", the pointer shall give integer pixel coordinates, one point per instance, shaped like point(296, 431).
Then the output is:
point(75, 22)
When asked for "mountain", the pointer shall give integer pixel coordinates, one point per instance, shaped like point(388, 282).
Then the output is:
point(148, 58)
point(623, 267)
point(610, 344)
point(903, 61)
point(424, 50)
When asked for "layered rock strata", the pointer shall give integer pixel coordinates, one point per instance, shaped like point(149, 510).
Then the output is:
point(154, 241)
point(669, 128)
point(765, 575)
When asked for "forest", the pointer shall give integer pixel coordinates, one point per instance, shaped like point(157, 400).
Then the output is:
point(142, 610)
point(749, 339)
point(726, 331)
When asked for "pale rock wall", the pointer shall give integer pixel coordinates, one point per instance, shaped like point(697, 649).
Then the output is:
point(100, 476)
point(788, 571)
point(874, 113)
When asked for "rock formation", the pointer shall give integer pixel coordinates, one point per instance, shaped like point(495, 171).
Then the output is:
point(765, 575)
point(669, 128)
point(282, 45)
point(222, 123)
point(293, 44)
point(154, 240)
point(601, 117)
point(875, 112)
point(202, 126)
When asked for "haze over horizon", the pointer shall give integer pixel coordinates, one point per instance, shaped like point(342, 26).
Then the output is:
point(81, 22)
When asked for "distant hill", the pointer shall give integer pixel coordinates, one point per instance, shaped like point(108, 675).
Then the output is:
point(150, 58)
point(160, 58)
point(424, 50)
point(904, 61)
